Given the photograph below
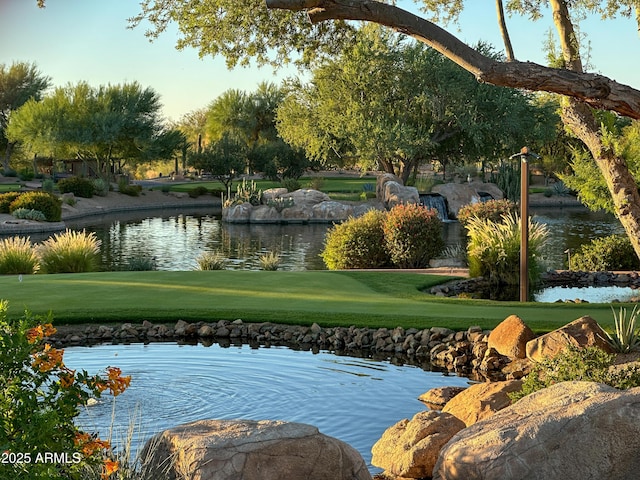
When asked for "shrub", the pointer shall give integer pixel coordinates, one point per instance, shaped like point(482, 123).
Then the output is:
point(291, 184)
point(316, 183)
point(80, 187)
point(626, 337)
point(141, 263)
point(269, 261)
point(197, 191)
point(589, 364)
point(18, 256)
point(101, 187)
point(6, 199)
point(356, 243)
point(70, 252)
point(127, 189)
point(9, 172)
point(494, 249)
point(491, 210)
point(41, 201)
point(29, 214)
point(48, 185)
point(412, 235)
point(211, 261)
point(40, 398)
point(604, 254)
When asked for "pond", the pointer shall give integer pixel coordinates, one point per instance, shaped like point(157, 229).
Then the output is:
point(352, 399)
point(175, 239)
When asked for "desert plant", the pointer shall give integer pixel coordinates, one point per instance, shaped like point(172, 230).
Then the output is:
point(70, 252)
point(269, 261)
point(605, 254)
point(626, 338)
point(412, 235)
point(494, 249)
point(6, 199)
point(101, 187)
point(356, 243)
point(80, 187)
point(29, 214)
point(248, 192)
point(490, 210)
point(559, 188)
point(211, 261)
point(591, 364)
point(41, 201)
point(48, 185)
point(18, 256)
point(281, 203)
point(40, 398)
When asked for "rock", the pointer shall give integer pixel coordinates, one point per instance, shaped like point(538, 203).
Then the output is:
point(510, 337)
point(583, 332)
point(481, 400)
point(272, 194)
point(461, 194)
point(264, 214)
point(410, 448)
point(436, 398)
point(569, 431)
point(382, 180)
point(331, 211)
point(307, 197)
point(237, 213)
point(251, 450)
point(297, 213)
point(396, 194)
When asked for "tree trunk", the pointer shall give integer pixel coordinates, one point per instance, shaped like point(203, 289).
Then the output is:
point(7, 156)
point(502, 24)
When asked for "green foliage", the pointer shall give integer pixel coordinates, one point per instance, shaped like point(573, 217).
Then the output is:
point(278, 161)
point(225, 159)
point(80, 187)
point(614, 252)
point(269, 261)
point(48, 185)
point(626, 337)
point(356, 243)
point(29, 214)
point(291, 184)
point(127, 188)
point(141, 263)
point(44, 202)
point(198, 191)
point(211, 261)
point(507, 178)
point(494, 249)
point(412, 235)
point(17, 256)
point(6, 199)
point(281, 203)
point(590, 364)
point(70, 252)
point(492, 210)
point(101, 187)
point(248, 192)
point(40, 399)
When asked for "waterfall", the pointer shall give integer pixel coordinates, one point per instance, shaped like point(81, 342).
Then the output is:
point(437, 202)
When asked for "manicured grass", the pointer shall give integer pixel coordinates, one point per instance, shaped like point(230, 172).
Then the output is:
point(374, 299)
point(9, 187)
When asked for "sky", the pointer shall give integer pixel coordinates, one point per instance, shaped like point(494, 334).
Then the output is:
point(88, 40)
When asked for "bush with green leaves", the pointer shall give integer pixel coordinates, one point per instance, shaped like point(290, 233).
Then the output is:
point(198, 191)
point(356, 243)
point(44, 202)
point(211, 261)
point(126, 188)
point(29, 214)
point(493, 250)
point(412, 235)
point(101, 187)
point(48, 185)
point(80, 187)
point(292, 184)
point(18, 256)
point(590, 364)
point(40, 399)
point(141, 263)
point(70, 252)
point(6, 199)
point(605, 254)
point(490, 210)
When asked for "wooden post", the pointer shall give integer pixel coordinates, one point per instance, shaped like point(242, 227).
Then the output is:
point(524, 224)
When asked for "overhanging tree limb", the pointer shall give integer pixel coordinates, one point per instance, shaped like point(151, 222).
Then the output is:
point(596, 90)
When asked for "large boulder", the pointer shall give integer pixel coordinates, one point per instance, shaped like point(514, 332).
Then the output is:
point(381, 180)
point(583, 332)
point(271, 194)
point(461, 194)
point(251, 450)
point(239, 213)
point(569, 431)
point(397, 194)
point(481, 400)
point(410, 448)
point(264, 214)
point(438, 397)
point(510, 337)
point(331, 211)
point(306, 196)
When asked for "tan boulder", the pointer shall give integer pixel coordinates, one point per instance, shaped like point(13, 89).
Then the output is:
point(382, 180)
point(510, 337)
point(410, 448)
point(436, 398)
point(307, 196)
point(251, 450)
point(264, 214)
point(481, 400)
point(583, 332)
point(331, 211)
point(461, 194)
point(569, 431)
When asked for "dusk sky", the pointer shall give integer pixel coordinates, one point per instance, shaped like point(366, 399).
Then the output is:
point(74, 40)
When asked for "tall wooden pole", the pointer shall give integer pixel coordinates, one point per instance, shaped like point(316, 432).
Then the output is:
point(524, 224)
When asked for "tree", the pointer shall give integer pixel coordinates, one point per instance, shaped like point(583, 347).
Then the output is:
point(109, 125)
point(19, 83)
point(224, 159)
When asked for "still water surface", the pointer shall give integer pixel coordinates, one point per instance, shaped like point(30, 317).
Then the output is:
point(352, 399)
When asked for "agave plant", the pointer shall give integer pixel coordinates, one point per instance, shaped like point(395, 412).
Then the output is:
point(626, 337)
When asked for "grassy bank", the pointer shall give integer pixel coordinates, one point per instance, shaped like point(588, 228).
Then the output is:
point(374, 299)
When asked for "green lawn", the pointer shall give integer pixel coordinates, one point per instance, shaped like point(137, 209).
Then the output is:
point(9, 187)
point(374, 299)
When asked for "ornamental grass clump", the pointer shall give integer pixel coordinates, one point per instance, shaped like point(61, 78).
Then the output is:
point(269, 261)
point(18, 256)
point(40, 398)
point(493, 250)
point(70, 252)
point(490, 210)
point(626, 338)
point(412, 235)
point(211, 261)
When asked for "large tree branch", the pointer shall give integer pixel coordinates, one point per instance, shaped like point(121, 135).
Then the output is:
point(595, 90)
